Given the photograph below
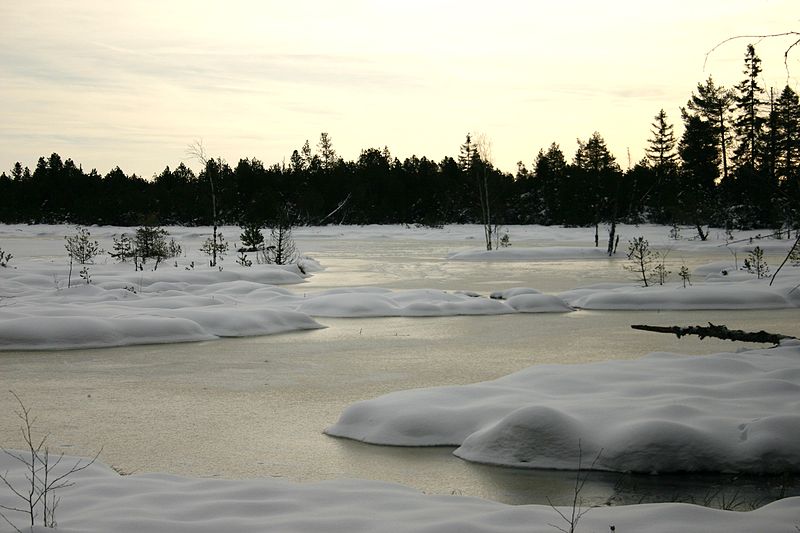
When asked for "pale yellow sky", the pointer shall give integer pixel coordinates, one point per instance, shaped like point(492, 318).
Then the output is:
point(131, 83)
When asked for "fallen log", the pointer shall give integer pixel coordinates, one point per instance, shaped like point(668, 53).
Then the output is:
point(717, 332)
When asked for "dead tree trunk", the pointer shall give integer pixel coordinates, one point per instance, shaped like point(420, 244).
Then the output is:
point(717, 332)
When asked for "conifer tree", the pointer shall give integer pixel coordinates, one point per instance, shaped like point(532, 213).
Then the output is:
point(327, 154)
point(699, 171)
point(714, 104)
point(749, 97)
point(788, 132)
point(661, 145)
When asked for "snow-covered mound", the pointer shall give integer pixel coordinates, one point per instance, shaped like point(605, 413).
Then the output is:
point(102, 501)
point(750, 294)
point(728, 412)
point(123, 307)
point(175, 305)
point(373, 302)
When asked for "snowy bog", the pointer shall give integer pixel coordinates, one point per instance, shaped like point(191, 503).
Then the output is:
point(368, 312)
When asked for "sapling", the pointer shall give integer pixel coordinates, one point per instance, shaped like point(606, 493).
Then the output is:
point(252, 237)
point(755, 263)
point(80, 249)
point(215, 247)
point(660, 271)
point(641, 259)
point(123, 248)
point(150, 242)
point(243, 260)
point(685, 275)
point(576, 510)
point(44, 476)
point(281, 249)
point(85, 275)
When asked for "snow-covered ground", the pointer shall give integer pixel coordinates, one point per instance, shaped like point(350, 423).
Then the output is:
point(44, 307)
point(663, 412)
point(103, 501)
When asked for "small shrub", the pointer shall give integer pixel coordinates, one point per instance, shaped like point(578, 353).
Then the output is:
point(252, 238)
point(122, 248)
point(5, 257)
point(215, 249)
point(85, 275)
point(243, 260)
point(174, 249)
point(660, 271)
point(755, 263)
point(80, 248)
point(685, 275)
point(150, 242)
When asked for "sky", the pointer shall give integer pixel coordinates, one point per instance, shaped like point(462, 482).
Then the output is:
point(133, 83)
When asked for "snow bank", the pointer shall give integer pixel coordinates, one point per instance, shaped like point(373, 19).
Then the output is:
point(665, 412)
point(102, 501)
point(706, 296)
point(123, 307)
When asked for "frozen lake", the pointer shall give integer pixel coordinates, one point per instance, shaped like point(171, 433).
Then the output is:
point(256, 407)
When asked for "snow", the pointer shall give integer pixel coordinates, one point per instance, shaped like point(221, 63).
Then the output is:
point(747, 294)
point(728, 412)
point(102, 500)
point(124, 307)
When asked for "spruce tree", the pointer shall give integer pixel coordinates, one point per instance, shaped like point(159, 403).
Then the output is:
point(788, 133)
point(787, 163)
point(749, 98)
point(699, 171)
point(661, 145)
point(327, 154)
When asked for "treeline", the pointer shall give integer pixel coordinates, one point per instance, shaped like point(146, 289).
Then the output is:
point(735, 165)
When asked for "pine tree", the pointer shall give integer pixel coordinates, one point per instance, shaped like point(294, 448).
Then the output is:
point(714, 104)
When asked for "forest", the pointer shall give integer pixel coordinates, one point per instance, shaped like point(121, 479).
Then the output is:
point(736, 165)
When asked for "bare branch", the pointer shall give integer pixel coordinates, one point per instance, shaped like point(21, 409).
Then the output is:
point(788, 255)
point(759, 38)
point(196, 150)
point(38, 493)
